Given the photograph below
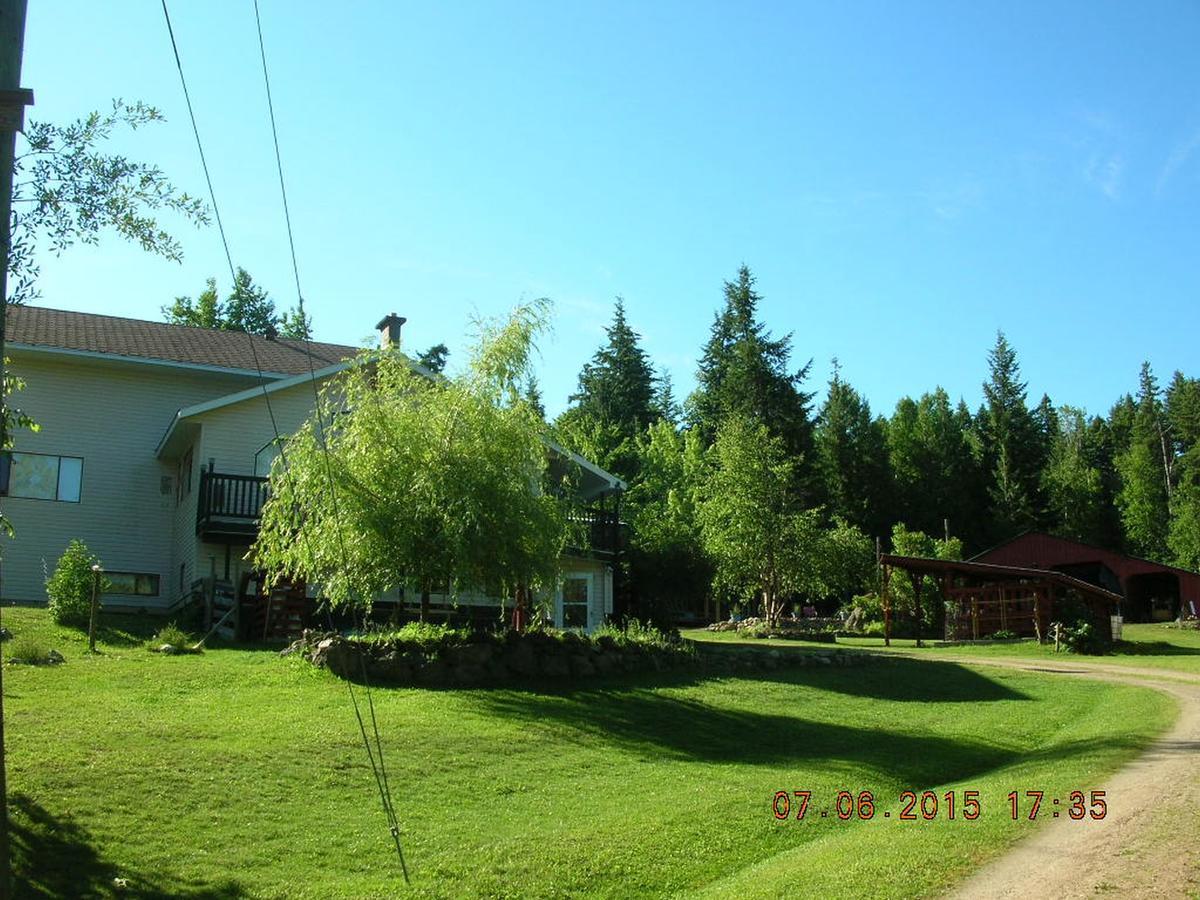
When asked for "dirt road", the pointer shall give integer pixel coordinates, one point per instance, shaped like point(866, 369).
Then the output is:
point(1147, 846)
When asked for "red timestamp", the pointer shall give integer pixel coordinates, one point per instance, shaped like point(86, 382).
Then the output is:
point(847, 805)
point(1093, 805)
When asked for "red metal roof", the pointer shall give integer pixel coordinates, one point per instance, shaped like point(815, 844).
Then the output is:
point(1038, 550)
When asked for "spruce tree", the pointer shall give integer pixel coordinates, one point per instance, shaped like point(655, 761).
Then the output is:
point(1144, 470)
point(851, 456)
point(1012, 444)
point(745, 373)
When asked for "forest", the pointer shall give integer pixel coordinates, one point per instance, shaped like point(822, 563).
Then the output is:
point(749, 474)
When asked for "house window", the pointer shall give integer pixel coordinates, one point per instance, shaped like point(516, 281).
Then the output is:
point(41, 477)
point(139, 584)
point(265, 456)
point(575, 602)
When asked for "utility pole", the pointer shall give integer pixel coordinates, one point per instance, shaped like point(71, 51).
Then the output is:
point(13, 100)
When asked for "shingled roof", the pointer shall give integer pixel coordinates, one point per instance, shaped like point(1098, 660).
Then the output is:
point(58, 328)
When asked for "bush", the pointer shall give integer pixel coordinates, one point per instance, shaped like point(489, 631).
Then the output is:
point(174, 637)
point(1004, 635)
point(69, 589)
point(1082, 638)
point(29, 650)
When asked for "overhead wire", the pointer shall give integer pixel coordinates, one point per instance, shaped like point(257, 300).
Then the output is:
point(377, 767)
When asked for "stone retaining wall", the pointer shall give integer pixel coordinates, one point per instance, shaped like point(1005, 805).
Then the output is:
point(534, 656)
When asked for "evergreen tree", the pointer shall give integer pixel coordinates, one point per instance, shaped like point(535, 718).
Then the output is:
point(1072, 484)
point(665, 405)
point(615, 401)
point(1013, 445)
point(744, 372)
point(1144, 470)
point(434, 359)
point(934, 468)
point(851, 456)
point(1183, 418)
point(617, 386)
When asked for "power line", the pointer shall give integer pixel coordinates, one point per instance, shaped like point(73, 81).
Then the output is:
point(379, 770)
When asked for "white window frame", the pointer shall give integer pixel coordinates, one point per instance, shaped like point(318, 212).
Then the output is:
point(559, 618)
point(14, 464)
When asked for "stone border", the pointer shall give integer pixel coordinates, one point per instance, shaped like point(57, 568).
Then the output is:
point(537, 656)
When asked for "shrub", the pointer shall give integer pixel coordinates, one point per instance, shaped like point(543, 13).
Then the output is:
point(1004, 635)
point(174, 637)
point(1082, 638)
point(29, 650)
point(69, 589)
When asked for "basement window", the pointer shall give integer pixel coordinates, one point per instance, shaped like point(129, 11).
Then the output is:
point(139, 584)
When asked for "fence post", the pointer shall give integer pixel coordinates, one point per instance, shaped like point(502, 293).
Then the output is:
point(96, 570)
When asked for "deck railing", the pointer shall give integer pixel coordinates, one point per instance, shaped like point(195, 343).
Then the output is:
point(230, 503)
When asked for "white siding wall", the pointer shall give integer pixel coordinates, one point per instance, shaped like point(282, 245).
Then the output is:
point(112, 414)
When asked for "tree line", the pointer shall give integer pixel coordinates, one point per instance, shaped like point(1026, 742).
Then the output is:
point(751, 488)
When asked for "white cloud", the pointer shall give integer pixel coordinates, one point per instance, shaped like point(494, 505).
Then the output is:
point(1105, 172)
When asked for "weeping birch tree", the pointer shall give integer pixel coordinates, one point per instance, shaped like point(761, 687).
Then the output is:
point(398, 479)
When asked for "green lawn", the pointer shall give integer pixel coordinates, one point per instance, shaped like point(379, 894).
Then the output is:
point(236, 772)
point(1159, 646)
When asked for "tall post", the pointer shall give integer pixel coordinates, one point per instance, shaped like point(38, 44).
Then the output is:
point(95, 604)
point(13, 101)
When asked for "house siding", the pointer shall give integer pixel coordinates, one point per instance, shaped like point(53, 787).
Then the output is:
point(112, 414)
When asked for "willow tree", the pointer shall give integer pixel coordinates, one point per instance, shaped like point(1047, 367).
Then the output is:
point(398, 479)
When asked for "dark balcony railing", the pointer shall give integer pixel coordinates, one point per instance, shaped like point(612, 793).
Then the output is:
point(230, 504)
point(602, 529)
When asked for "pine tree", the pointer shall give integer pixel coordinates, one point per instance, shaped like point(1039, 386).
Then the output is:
point(665, 405)
point(615, 401)
point(1183, 418)
point(434, 359)
point(1013, 445)
point(851, 455)
point(296, 325)
point(934, 468)
point(744, 372)
point(1145, 470)
point(1072, 484)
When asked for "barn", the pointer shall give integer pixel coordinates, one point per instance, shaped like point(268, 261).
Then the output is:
point(1150, 591)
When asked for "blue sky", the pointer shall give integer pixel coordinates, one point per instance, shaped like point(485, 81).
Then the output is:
point(902, 182)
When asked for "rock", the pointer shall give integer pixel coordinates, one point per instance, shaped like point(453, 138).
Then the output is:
point(392, 667)
point(521, 659)
point(475, 655)
point(582, 667)
point(466, 674)
point(54, 657)
point(5, 634)
point(822, 659)
point(168, 649)
point(555, 666)
point(496, 671)
point(341, 656)
point(435, 673)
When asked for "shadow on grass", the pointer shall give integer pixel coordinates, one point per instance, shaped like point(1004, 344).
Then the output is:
point(55, 857)
point(649, 722)
point(1153, 648)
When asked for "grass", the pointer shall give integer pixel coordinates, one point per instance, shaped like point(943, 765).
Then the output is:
point(1148, 646)
point(238, 773)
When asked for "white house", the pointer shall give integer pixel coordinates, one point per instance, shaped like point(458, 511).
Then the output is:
point(154, 447)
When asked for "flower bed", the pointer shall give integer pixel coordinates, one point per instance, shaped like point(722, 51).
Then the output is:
point(823, 630)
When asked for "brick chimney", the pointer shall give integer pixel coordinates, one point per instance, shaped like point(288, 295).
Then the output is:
point(389, 330)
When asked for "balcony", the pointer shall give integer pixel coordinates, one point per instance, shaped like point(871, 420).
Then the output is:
point(229, 506)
